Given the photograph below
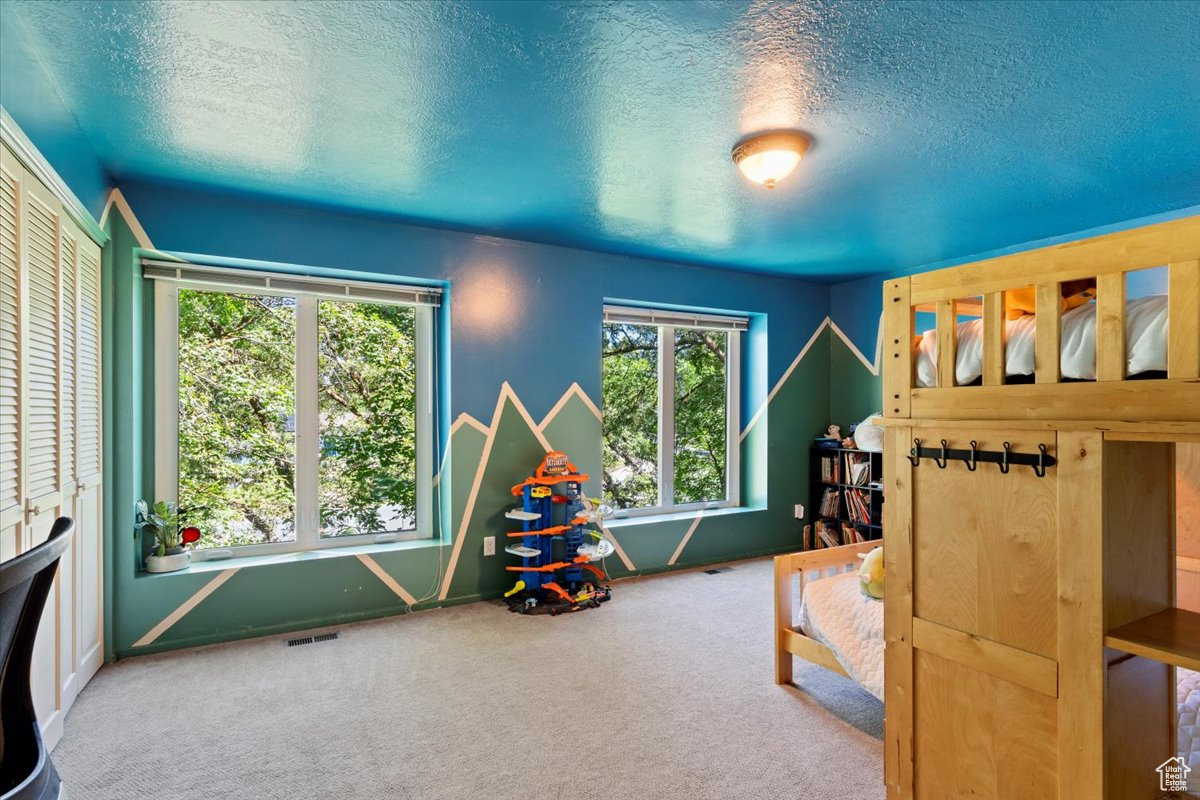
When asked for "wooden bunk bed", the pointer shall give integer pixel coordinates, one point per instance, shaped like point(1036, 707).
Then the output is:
point(1030, 623)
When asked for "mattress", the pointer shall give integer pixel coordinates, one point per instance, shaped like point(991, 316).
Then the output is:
point(1145, 344)
point(836, 613)
point(1188, 694)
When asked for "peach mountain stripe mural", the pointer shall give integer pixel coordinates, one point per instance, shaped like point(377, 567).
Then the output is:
point(185, 607)
point(871, 365)
point(506, 396)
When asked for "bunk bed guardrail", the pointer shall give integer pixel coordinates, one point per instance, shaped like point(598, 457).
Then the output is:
point(982, 285)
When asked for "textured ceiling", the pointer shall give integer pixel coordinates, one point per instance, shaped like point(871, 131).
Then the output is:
point(942, 129)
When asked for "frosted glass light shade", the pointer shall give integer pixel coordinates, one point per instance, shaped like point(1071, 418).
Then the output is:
point(770, 157)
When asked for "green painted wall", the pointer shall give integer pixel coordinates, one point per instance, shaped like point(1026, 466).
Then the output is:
point(854, 392)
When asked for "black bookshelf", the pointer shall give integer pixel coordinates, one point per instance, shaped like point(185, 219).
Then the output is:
point(856, 511)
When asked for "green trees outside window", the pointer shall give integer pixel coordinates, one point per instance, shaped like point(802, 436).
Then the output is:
point(237, 411)
point(239, 464)
point(630, 389)
point(700, 429)
point(367, 367)
point(695, 431)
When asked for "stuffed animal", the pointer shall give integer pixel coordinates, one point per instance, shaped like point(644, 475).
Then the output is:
point(870, 574)
point(834, 432)
point(1018, 302)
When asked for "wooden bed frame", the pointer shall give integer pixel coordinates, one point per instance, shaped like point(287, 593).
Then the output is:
point(808, 565)
point(1030, 627)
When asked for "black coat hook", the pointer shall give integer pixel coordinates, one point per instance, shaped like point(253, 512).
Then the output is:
point(973, 457)
point(1039, 468)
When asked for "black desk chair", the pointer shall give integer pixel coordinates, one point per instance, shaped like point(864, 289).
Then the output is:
point(26, 772)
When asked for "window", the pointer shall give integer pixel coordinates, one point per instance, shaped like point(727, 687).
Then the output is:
point(292, 413)
point(670, 386)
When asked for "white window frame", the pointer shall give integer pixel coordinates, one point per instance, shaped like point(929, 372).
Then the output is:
point(667, 322)
point(307, 523)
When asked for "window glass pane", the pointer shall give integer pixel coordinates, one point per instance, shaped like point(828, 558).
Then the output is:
point(630, 389)
point(700, 423)
point(367, 385)
point(237, 440)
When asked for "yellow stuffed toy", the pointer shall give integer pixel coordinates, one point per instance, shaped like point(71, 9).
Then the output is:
point(870, 574)
point(1018, 302)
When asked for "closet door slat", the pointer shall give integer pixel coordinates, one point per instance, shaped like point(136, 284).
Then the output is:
point(68, 336)
point(89, 361)
point(42, 365)
point(10, 353)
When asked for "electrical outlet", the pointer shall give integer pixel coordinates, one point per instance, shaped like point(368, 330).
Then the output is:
point(489, 545)
point(799, 510)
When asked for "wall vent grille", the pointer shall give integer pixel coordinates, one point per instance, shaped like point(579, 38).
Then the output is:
point(320, 637)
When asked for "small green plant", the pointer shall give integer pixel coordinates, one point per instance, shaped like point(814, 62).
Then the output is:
point(163, 521)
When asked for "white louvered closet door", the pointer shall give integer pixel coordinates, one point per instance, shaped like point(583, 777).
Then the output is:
point(50, 458)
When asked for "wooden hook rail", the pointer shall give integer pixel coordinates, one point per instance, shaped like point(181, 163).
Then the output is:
point(1005, 459)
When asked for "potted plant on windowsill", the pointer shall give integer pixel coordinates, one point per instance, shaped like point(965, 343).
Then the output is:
point(170, 551)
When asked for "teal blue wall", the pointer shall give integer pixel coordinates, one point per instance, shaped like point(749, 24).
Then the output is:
point(520, 315)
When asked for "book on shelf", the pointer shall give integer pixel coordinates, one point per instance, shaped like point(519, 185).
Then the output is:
point(829, 503)
point(858, 468)
point(831, 470)
point(858, 506)
point(851, 534)
point(827, 535)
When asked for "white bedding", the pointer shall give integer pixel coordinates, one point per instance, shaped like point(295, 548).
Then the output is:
point(1145, 343)
point(836, 613)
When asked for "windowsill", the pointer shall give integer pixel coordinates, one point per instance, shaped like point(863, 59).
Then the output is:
point(674, 516)
point(295, 556)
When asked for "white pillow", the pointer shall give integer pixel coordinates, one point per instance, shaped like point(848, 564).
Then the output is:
point(868, 436)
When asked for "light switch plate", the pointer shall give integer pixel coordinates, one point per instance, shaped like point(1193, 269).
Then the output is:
point(799, 510)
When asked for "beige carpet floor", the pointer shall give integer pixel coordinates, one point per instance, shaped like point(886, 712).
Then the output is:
point(664, 692)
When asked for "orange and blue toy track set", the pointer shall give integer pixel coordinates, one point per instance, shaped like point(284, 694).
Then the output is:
point(557, 573)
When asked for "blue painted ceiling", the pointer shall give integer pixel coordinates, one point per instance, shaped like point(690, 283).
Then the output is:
point(941, 129)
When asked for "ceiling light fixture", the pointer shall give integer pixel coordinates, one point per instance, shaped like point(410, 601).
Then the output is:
point(768, 158)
